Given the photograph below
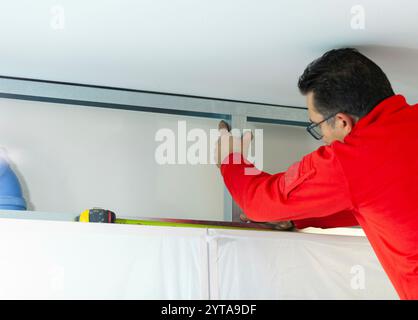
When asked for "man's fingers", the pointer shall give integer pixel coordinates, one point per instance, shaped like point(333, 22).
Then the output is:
point(247, 137)
point(246, 142)
point(224, 125)
point(223, 142)
point(223, 128)
point(224, 132)
point(282, 225)
point(244, 218)
point(227, 143)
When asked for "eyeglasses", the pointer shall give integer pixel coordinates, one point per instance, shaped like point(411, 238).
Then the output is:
point(315, 130)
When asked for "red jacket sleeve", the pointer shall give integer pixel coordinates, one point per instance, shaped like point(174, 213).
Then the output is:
point(341, 219)
point(311, 188)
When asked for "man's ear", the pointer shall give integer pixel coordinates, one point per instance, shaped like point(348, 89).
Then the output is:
point(344, 122)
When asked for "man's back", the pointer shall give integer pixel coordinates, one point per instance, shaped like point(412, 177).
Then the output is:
point(379, 161)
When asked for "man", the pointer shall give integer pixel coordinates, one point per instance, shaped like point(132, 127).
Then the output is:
point(366, 173)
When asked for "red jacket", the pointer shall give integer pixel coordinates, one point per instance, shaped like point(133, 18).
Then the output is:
point(371, 178)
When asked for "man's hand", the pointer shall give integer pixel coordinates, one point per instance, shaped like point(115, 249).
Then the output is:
point(278, 225)
point(228, 144)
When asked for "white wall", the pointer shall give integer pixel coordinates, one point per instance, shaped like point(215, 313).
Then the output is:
point(69, 158)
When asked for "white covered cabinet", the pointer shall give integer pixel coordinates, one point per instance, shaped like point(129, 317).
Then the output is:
point(44, 259)
point(296, 265)
point(69, 260)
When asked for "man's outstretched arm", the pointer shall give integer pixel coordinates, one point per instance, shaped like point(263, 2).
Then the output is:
point(314, 187)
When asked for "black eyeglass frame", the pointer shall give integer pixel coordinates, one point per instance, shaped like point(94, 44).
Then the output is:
point(311, 128)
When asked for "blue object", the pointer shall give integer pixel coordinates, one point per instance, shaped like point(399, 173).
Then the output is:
point(10, 191)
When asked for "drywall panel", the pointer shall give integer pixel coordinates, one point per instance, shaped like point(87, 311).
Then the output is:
point(69, 158)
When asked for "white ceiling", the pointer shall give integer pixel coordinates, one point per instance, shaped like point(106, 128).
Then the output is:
point(252, 50)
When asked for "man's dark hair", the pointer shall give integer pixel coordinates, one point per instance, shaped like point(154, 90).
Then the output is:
point(344, 80)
